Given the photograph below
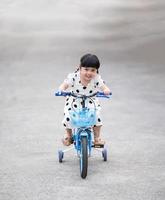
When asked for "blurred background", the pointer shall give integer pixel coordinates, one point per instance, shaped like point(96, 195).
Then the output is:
point(40, 43)
point(43, 30)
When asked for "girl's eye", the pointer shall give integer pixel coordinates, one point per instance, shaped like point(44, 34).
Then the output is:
point(91, 70)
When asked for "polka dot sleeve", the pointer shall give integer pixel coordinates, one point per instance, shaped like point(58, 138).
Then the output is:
point(70, 79)
point(99, 81)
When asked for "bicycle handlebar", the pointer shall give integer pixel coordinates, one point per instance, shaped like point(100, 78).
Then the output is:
point(97, 94)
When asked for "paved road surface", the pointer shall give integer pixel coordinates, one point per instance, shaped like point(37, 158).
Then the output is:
point(40, 42)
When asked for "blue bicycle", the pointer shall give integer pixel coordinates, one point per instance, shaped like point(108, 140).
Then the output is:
point(83, 120)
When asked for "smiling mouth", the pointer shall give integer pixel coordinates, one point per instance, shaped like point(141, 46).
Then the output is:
point(89, 77)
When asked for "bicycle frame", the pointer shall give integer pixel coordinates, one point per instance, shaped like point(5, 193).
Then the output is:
point(82, 132)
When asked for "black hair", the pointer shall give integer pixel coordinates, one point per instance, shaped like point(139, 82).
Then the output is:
point(89, 60)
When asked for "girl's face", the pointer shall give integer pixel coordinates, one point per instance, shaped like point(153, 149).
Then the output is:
point(87, 73)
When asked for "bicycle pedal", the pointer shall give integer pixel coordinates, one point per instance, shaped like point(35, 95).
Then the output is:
point(98, 145)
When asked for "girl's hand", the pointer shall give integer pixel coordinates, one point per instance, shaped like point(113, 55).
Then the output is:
point(63, 87)
point(106, 91)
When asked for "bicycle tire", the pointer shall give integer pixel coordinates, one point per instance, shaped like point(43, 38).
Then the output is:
point(84, 157)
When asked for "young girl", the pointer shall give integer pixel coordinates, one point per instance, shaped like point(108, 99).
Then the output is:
point(86, 80)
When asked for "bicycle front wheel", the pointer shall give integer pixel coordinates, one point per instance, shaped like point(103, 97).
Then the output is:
point(84, 157)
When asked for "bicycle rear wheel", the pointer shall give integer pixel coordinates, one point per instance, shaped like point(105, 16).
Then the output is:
point(84, 157)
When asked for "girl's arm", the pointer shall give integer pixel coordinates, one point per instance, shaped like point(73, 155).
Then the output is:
point(105, 89)
point(63, 86)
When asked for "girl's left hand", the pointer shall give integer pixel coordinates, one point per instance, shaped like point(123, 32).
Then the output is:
point(106, 91)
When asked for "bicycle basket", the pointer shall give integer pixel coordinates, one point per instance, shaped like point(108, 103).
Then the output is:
point(84, 117)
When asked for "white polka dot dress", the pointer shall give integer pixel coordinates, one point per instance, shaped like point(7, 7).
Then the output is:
point(72, 103)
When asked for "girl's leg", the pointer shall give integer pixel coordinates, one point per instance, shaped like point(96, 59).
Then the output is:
point(97, 139)
point(67, 139)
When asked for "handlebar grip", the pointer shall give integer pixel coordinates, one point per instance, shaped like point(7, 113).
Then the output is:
point(59, 93)
point(101, 94)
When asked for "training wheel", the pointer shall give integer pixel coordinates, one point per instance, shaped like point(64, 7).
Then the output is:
point(104, 154)
point(60, 155)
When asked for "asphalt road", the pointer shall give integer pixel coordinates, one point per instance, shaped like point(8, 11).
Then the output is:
point(40, 43)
